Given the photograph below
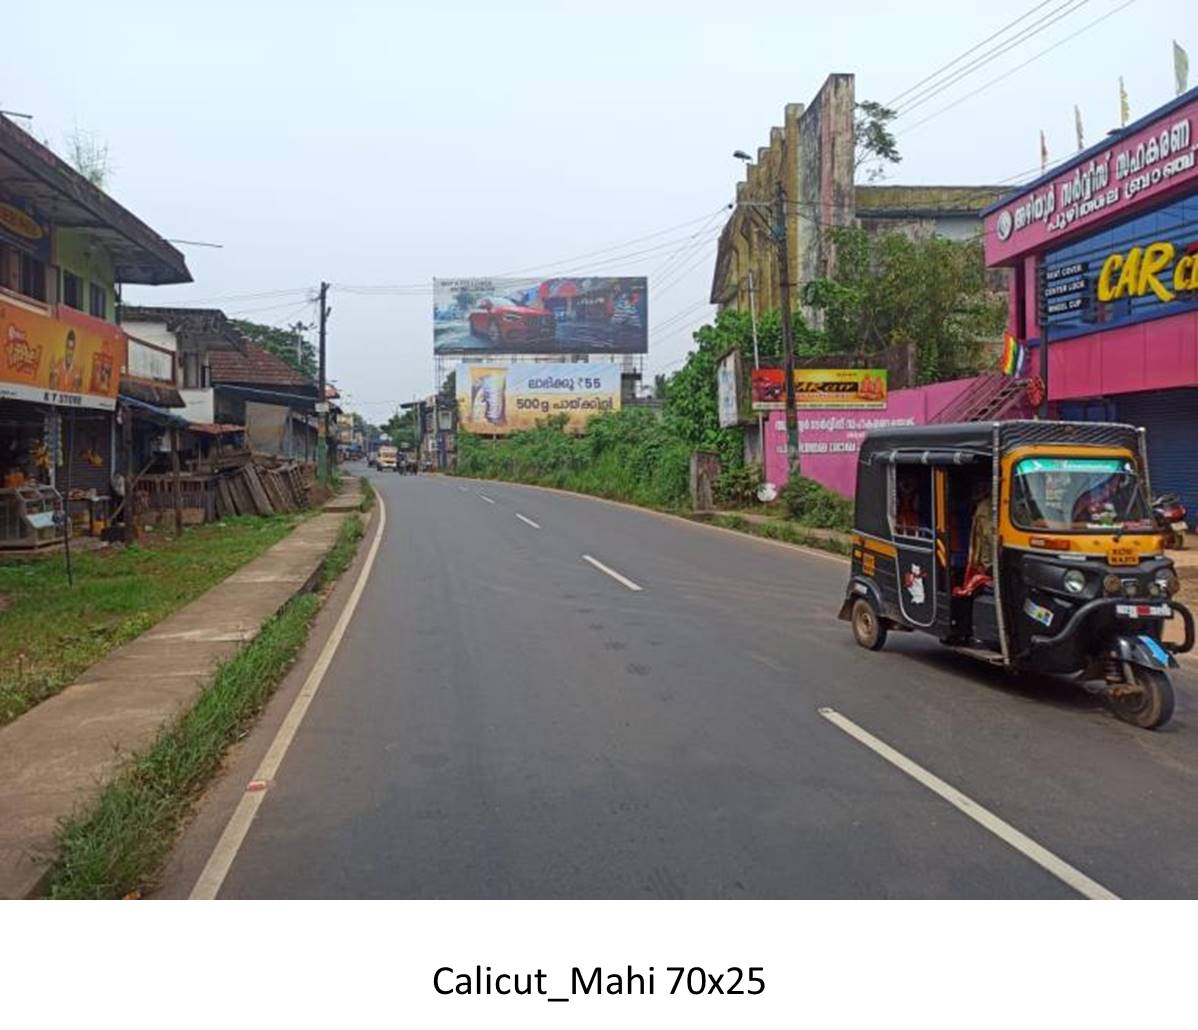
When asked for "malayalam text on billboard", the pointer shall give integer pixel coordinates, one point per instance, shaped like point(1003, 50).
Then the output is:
point(500, 399)
point(586, 315)
point(820, 388)
point(71, 360)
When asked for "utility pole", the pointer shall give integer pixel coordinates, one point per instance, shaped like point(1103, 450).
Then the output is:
point(322, 404)
point(788, 345)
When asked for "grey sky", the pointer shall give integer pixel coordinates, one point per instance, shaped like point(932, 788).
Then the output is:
point(388, 143)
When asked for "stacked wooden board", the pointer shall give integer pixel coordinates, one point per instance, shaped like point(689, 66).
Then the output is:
point(260, 488)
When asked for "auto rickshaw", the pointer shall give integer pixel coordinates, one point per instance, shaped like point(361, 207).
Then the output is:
point(1029, 544)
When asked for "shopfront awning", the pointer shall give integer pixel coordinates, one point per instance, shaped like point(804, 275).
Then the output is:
point(153, 413)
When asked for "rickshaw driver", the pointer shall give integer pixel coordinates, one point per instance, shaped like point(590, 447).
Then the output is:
point(979, 568)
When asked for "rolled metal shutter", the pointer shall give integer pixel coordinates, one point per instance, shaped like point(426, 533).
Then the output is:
point(1171, 419)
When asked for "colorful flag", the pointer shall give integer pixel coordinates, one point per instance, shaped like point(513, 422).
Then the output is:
point(1043, 152)
point(1012, 360)
point(1077, 124)
point(1124, 109)
point(1181, 68)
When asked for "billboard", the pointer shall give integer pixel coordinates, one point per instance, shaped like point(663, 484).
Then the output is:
point(587, 315)
point(820, 388)
point(72, 360)
point(500, 399)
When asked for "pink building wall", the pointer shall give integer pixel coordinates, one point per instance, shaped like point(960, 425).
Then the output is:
point(828, 440)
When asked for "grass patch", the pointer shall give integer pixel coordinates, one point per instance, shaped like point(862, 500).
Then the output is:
point(119, 845)
point(367, 494)
point(50, 633)
point(785, 531)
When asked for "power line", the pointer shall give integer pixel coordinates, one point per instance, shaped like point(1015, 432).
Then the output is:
point(1018, 67)
point(1063, 11)
point(961, 57)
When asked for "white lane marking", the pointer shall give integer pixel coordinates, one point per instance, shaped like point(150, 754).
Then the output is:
point(525, 519)
point(221, 860)
point(464, 489)
point(1004, 831)
point(486, 498)
point(611, 572)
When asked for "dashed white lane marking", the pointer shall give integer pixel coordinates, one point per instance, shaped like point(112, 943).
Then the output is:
point(486, 498)
point(525, 519)
point(221, 860)
point(611, 572)
point(1004, 831)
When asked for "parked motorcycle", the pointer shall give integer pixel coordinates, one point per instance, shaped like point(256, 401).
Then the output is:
point(1170, 515)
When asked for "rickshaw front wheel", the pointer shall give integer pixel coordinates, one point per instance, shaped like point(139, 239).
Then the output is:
point(868, 629)
point(1151, 706)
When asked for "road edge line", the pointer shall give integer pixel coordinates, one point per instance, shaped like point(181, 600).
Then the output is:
point(224, 853)
point(1004, 831)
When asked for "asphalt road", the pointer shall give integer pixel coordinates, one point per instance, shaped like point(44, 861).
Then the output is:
point(505, 719)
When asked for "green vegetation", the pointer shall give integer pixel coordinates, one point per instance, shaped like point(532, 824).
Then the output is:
point(50, 633)
point(630, 455)
point(290, 344)
point(814, 505)
point(787, 532)
point(119, 845)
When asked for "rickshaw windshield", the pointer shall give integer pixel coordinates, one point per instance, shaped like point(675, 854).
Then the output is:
point(1079, 495)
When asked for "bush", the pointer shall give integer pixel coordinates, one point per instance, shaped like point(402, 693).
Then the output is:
point(629, 455)
point(737, 487)
point(814, 505)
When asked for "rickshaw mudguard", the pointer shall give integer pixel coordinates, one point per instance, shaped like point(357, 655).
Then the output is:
point(860, 586)
point(1143, 650)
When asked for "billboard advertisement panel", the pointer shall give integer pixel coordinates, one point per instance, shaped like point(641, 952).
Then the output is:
point(728, 389)
point(72, 360)
point(580, 315)
point(820, 388)
point(499, 399)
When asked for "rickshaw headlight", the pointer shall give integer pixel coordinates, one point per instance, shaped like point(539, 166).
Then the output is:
point(1167, 582)
point(1074, 581)
point(1112, 584)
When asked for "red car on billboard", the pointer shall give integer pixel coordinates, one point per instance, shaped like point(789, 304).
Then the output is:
point(503, 320)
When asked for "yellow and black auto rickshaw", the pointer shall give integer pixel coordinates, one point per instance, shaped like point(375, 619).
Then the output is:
point(1029, 544)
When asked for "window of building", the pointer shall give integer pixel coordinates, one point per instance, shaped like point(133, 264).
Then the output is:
point(33, 277)
point(72, 291)
point(97, 301)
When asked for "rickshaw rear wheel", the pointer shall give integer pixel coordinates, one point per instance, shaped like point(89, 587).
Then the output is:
point(868, 628)
point(1151, 706)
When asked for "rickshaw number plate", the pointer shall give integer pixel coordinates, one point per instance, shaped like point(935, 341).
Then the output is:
point(1144, 611)
point(1123, 556)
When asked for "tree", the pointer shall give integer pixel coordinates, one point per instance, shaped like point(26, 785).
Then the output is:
point(890, 291)
point(874, 143)
point(403, 429)
point(290, 344)
point(89, 157)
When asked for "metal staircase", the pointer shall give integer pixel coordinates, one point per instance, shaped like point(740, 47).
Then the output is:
point(992, 397)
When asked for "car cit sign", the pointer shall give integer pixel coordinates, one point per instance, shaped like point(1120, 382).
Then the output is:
point(820, 388)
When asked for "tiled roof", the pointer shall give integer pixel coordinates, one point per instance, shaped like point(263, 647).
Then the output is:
point(256, 365)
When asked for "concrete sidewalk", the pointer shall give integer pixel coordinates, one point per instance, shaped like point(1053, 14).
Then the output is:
point(57, 756)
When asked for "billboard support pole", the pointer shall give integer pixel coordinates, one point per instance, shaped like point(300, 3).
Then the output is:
point(792, 422)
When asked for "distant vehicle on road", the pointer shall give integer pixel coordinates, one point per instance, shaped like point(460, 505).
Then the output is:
point(388, 459)
point(503, 320)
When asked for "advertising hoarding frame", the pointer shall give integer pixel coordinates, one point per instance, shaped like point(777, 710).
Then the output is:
point(499, 399)
point(821, 389)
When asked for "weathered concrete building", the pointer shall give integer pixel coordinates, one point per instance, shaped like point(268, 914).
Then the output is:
point(813, 155)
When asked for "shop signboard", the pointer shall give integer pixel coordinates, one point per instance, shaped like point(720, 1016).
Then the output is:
point(496, 399)
point(1143, 268)
point(820, 388)
point(1113, 178)
point(577, 315)
point(729, 386)
point(69, 360)
point(21, 226)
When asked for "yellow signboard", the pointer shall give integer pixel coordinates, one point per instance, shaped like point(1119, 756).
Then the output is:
point(821, 388)
point(71, 360)
point(501, 399)
point(1145, 269)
